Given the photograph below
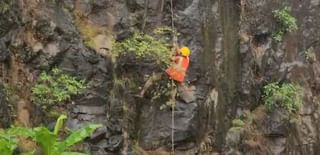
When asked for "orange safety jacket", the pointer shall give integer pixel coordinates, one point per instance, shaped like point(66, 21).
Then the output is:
point(177, 71)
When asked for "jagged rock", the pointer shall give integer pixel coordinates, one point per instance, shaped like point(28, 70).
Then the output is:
point(5, 118)
point(114, 126)
point(187, 94)
point(114, 142)
point(42, 34)
point(99, 151)
point(102, 144)
point(276, 123)
point(157, 132)
point(73, 124)
point(234, 136)
point(233, 152)
point(98, 135)
point(86, 117)
point(278, 145)
point(91, 110)
point(4, 53)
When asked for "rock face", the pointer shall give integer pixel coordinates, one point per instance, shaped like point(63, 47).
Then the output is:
point(4, 111)
point(233, 57)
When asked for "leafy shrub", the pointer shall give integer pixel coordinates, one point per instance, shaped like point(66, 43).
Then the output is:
point(55, 88)
point(49, 142)
point(286, 22)
point(143, 45)
point(287, 96)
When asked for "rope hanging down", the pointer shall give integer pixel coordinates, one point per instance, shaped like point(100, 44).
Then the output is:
point(172, 104)
point(174, 33)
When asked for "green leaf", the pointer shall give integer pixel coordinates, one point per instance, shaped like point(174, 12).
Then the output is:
point(79, 135)
point(20, 131)
point(59, 124)
point(7, 144)
point(29, 153)
point(47, 140)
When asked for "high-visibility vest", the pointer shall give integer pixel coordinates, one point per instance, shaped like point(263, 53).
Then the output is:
point(177, 71)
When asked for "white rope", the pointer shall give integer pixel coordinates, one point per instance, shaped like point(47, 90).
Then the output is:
point(172, 130)
point(172, 104)
point(172, 18)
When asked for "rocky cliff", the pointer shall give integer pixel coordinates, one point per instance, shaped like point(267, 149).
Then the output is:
point(233, 56)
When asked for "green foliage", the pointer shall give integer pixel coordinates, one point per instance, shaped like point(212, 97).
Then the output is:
point(142, 46)
point(28, 153)
point(287, 96)
point(287, 23)
point(59, 124)
point(164, 89)
point(8, 143)
point(310, 55)
point(55, 88)
point(49, 141)
point(238, 123)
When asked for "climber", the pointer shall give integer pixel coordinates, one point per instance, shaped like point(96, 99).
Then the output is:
point(177, 70)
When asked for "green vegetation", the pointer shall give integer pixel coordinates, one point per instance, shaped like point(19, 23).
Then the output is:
point(48, 141)
point(287, 23)
point(238, 123)
point(165, 89)
point(142, 46)
point(8, 143)
point(310, 55)
point(152, 48)
point(55, 88)
point(287, 96)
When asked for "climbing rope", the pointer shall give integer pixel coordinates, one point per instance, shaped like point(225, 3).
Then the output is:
point(174, 33)
point(173, 95)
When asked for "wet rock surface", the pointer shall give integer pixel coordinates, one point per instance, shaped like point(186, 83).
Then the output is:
point(233, 57)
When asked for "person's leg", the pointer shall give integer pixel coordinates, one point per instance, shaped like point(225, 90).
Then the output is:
point(154, 78)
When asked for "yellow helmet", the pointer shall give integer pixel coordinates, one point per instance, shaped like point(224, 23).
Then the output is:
point(185, 51)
